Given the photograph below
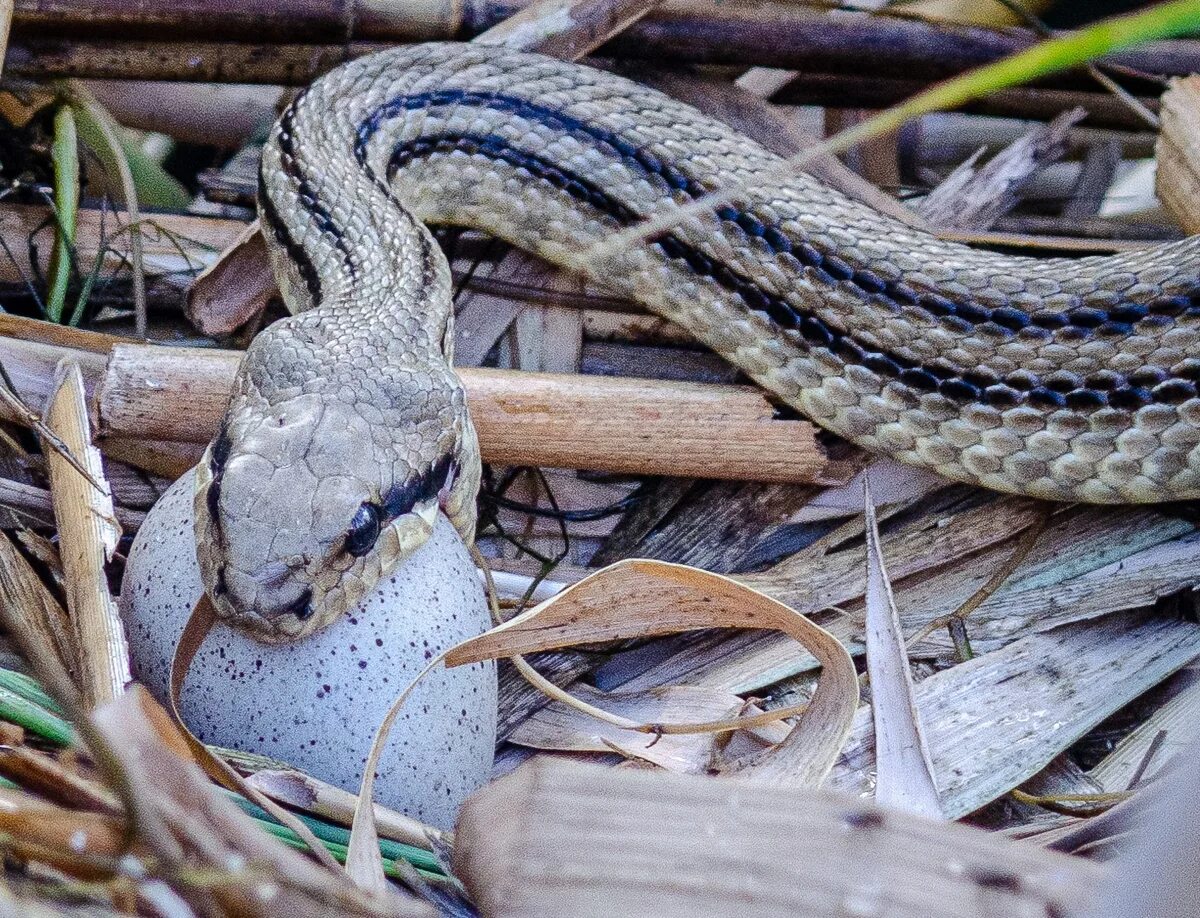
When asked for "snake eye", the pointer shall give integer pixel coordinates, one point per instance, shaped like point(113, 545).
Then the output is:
point(364, 530)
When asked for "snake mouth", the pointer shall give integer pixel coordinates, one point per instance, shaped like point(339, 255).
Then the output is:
point(301, 608)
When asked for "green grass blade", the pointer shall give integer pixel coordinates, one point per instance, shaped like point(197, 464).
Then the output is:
point(1165, 20)
point(337, 835)
point(153, 184)
point(64, 154)
point(29, 689)
point(34, 718)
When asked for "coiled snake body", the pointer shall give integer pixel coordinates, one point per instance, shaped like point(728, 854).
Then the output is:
point(1062, 379)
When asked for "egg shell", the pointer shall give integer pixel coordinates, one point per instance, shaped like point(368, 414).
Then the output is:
point(315, 703)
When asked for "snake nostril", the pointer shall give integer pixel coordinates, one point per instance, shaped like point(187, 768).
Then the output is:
point(302, 608)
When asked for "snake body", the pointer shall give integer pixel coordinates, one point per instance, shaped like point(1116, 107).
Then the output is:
point(1062, 379)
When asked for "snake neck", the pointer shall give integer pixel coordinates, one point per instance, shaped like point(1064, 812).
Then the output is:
point(346, 248)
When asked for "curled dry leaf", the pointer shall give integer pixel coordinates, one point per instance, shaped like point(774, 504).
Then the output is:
point(640, 598)
point(560, 728)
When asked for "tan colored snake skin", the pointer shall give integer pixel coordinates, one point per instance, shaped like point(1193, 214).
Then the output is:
point(1062, 379)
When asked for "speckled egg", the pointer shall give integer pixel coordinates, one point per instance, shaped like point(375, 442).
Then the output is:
point(315, 703)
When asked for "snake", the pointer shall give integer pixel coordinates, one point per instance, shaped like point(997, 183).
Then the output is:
point(347, 432)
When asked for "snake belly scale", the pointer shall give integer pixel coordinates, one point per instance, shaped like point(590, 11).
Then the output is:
point(1061, 379)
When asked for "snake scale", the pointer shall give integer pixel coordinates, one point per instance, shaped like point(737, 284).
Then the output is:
point(347, 430)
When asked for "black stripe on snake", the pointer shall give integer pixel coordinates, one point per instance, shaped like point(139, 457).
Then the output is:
point(1060, 390)
point(1055, 378)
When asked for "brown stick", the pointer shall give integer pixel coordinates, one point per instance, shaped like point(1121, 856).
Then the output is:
point(164, 236)
point(768, 33)
point(581, 422)
point(298, 65)
point(837, 90)
point(564, 839)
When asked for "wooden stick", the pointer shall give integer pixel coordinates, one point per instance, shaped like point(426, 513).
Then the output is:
point(612, 424)
point(88, 535)
point(557, 838)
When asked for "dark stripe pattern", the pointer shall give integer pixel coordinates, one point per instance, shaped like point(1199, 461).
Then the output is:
point(1057, 390)
point(317, 211)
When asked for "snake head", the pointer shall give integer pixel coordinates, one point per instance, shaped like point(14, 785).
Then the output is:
point(305, 500)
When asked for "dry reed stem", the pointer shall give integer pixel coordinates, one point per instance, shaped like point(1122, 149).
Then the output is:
point(88, 534)
point(557, 838)
point(557, 421)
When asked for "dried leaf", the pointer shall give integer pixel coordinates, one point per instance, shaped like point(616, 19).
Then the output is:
point(639, 598)
point(560, 728)
point(904, 775)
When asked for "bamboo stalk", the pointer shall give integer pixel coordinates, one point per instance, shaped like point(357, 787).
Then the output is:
point(297, 20)
point(172, 243)
point(619, 425)
point(300, 64)
point(768, 33)
point(88, 535)
point(39, 503)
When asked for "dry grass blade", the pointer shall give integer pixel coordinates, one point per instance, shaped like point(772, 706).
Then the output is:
point(34, 612)
point(80, 844)
point(89, 533)
point(235, 288)
point(639, 598)
point(1166, 734)
point(362, 860)
point(558, 727)
point(41, 774)
point(998, 719)
point(304, 792)
point(904, 774)
point(566, 29)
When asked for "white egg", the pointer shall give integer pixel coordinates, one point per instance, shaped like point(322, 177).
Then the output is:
point(315, 703)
